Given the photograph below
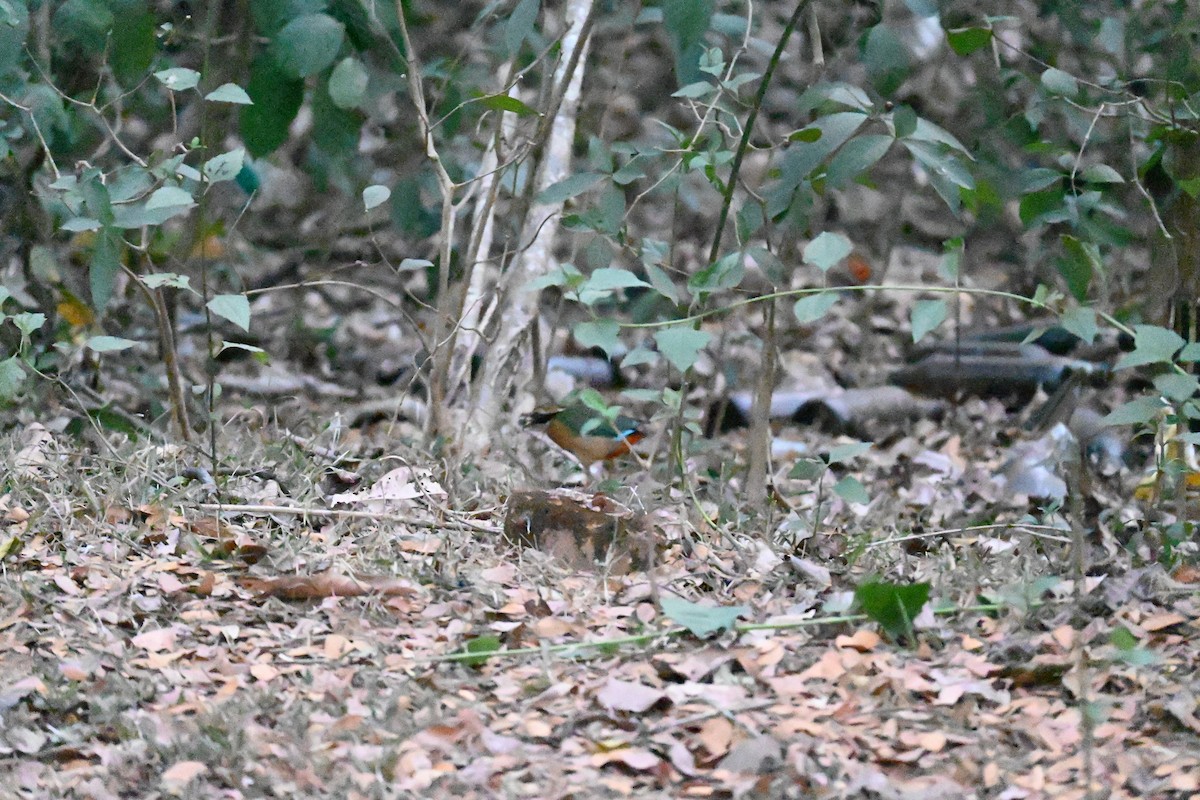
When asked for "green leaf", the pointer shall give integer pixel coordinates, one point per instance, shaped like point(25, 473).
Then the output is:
point(133, 45)
point(249, 348)
point(610, 278)
point(348, 83)
point(77, 224)
point(686, 21)
point(568, 187)
point(808, 469)
point(965, 41)
point(229, 93)
point(832, 131)
point(226, 166)
point(739, 80)
point(413, 264)
point(108, 344)
point(504, 102)
point(375, 195)
point(233, 307)
point(129, 182)
point(629, 173)
point(826, 250)
point(681, 345)
point(856, 157)
point(110, 420)
point(695, 91)
point(886, 58)
point(1102, 173)
point(105, 265)
point(1037, 178)
point(170, 197)
point(600, 333)
point(1151, 345)
point(1176, 387)
point(308, 44)
point(927, 315)
point(603, 282)
point(1061, 83)
point(520, 25)
point(336, 131)
point(808, 135)
point(277, 99)
point(662, 283)
point(27, 322)
point(941, 162)
point(636, 357)
point(1129, 648)
point(14, 29)
point(927, 131)
point(1081, 321)
point(157, 280)
point(811, 308)
point(1079, 262)
point(12, 375)
point(724, 273)
point(87, 22)
point(951, 263)
point(1189, 354)
point(712, 61)
point(1111, 37)
point(851, 490)
point(701, 620)
point(177, 79)
point(1122, 639)
point(768, 262)
point(1135, 412)
point(481, 647)
point(566, 275)
point(904, 121)
point(1043, 208)
point(847, 452)
point(894, 606)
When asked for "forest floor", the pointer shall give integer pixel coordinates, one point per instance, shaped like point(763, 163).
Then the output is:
point(307, 637)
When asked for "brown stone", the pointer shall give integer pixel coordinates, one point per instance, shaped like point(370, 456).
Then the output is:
point(580, 529)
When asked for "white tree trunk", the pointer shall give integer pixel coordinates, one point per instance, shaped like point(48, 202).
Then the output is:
point(508, 359)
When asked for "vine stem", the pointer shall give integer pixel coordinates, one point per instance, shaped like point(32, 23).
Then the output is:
point(727, 201)
point(712, 312)
point(748, 128)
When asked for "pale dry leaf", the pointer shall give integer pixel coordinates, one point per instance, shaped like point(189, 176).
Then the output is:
point(760, 754)
point(34, 455)
point(394, 490)
point(25, 740)
point(681, 758)
point(621, 695)
point(862, 640)
point(264, 673)
point(716, 735)
point(636, 758)
point(1158, 622)
point(181, 773)
point(73, 670)
point(156, 640)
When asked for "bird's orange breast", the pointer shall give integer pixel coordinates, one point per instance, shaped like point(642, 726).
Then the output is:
point(591, 448)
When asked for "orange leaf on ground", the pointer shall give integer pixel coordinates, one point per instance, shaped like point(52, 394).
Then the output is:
point(862, 641)
point(179, 773)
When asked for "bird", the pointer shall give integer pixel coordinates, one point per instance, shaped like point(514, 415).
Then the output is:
point(587, 434)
